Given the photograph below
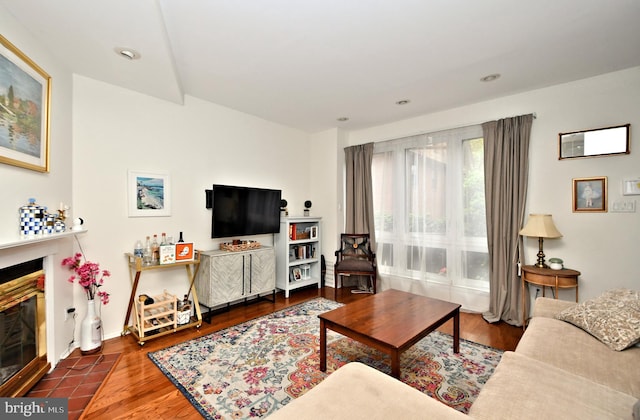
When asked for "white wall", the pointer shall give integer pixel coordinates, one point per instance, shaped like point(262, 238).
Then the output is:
point(198, 144)
point(49, 189)
point(326, 150)
point(602, 246)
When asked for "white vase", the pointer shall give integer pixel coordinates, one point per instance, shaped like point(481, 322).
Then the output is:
point(91, 330)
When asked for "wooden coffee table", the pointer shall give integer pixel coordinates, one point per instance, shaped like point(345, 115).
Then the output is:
point(390, 321)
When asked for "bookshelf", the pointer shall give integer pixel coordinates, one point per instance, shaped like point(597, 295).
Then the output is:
point(298, 249)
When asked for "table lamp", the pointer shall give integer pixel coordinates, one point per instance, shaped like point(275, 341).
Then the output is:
point(540, 226)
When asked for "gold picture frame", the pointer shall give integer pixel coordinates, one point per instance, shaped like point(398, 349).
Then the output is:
point(590, 194)
point(25, 93)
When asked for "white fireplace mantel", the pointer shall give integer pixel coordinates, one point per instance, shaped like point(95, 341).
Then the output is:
point(20, 249)
point(24, 248)
point(21, 240)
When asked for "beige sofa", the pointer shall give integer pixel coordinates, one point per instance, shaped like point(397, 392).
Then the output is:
point(558, 371)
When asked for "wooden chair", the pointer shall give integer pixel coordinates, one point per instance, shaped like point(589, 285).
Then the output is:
point(355, 258)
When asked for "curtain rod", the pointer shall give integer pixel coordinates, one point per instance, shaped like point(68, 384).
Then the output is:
point(532, 113)
point(535, 116)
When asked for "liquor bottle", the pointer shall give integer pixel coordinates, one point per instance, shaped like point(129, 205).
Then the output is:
point(163, 241)
point(180, 240)
point(155, 250)
point(147, 253)
point(138, 251)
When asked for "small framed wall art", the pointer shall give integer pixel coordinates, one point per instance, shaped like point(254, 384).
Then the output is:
point(590, 194)
point(149, 194)
point(631, 186)
point(24, 110)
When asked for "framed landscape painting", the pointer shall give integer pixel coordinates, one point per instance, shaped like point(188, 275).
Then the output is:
point(149, 194)
point(25, 91)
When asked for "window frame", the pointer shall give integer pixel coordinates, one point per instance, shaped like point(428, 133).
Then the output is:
point(454, 242)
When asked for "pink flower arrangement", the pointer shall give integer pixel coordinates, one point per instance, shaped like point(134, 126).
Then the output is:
point(89, 276)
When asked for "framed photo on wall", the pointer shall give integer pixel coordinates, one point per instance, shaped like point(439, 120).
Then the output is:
point(590, 194)
point(25, 91)
point(149, 194)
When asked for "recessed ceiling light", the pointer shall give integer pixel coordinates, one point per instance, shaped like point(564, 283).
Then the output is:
point(127, 53)
point(343, 119)
point(490, 78)
point(403, 102)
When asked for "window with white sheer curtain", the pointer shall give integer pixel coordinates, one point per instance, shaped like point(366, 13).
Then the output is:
point(429, 208)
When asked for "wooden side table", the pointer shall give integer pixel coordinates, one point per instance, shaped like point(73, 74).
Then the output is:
point(546, 277)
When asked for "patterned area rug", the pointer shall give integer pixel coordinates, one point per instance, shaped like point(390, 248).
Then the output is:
point(254, 368)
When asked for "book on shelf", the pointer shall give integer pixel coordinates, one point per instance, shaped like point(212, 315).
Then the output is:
point(303, 252)
point(292, 231)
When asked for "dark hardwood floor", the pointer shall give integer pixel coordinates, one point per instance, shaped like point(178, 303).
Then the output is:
point(136, 389)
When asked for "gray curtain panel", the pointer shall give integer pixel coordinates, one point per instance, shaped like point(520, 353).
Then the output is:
point(359, 191)
point(359, 196)
point(506, 154)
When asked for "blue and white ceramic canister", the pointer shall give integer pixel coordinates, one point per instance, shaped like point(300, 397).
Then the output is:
point(59, 226)
point(32, 218)
point(49, 222)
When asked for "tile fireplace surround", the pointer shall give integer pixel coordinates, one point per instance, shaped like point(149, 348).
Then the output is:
point(18, 250)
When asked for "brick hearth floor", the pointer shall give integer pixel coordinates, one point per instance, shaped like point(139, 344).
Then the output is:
point(76, 378)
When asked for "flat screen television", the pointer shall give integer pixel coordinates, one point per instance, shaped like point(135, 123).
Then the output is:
point(242, 211)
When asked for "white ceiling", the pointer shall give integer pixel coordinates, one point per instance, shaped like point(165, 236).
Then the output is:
point(304, 63)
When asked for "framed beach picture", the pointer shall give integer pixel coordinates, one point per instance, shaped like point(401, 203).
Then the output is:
point(590, 194)
point(25, 91)
point(149, 194)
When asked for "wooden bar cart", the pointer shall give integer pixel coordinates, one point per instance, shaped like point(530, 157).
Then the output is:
point(161, 317)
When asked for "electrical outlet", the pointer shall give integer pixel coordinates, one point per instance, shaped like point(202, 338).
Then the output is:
point(69, 313)
point(623, 206)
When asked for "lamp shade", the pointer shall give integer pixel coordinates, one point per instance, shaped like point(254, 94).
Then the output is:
point(540, 226)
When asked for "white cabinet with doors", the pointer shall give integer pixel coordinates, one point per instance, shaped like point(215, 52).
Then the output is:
point(225, 276)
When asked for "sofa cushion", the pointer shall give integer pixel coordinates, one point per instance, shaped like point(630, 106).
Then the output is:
point(567, 347)
point(356, 391)
point(613, 318)
point(524, 388)
point(549, 307)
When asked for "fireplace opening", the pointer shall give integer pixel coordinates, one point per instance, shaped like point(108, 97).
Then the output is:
point(23, 359)
point(17, 338)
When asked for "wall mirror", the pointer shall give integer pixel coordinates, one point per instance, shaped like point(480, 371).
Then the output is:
point(596, 142)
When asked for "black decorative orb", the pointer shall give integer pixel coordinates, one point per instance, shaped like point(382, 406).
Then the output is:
point(307, 204)
point(283, 203)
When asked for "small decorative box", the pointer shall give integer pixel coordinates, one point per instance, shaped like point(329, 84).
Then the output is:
point(184, 251)
point(167, 254)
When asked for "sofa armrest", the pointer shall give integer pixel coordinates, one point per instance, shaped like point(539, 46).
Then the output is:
point(356, 391)
point(549, 308)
